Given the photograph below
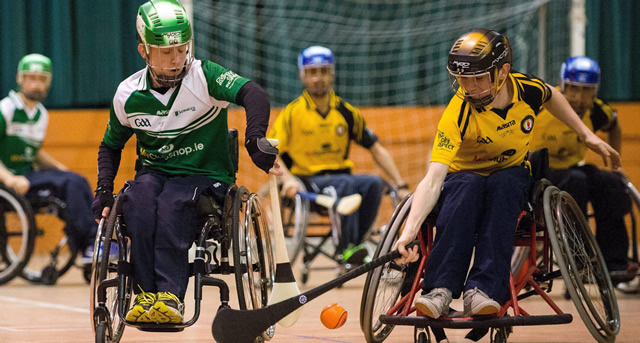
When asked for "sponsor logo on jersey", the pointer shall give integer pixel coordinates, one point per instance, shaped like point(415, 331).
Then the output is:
point(307, 132)
point(162, 113)
point(506, 125)
point(506, 133)
point(341, 129)
point(484, 140)
point(166, 148)
point(504, 156)
point(526, 125)
point(168, 152)
point(445, 142)
point(229, 76)
point(141, 122)
point(192, 108)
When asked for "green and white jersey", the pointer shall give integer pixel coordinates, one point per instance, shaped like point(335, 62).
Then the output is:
point(181, 132)
point(21, 133)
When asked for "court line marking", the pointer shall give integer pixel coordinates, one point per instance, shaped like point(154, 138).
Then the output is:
point(44, 304)
point(313, 337)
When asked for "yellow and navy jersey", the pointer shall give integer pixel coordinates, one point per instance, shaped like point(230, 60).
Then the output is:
point(486, 139)
point(566, 149)
point(317, 143)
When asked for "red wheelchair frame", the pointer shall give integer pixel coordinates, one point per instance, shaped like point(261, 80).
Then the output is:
point(540, 238)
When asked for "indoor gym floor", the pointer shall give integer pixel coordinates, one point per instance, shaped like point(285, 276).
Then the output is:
point(34, 313)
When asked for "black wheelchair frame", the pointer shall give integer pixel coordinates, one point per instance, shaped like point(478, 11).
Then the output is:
point(239, 225)
point(17, 233)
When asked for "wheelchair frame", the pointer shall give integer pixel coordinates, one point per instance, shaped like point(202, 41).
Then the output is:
point(16, 223)
point(296, 214)
point(557, 224)
point(61, 257)
point(241, 227)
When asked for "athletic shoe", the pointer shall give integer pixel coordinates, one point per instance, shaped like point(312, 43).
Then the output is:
point(435, 303)
point(354, 254)
point(87, 254)
point(167, 309)
point(477, 302)
point(141, 306)
point(625, 274)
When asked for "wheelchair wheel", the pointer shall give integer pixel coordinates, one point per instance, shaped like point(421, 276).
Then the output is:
point(52, 260)
point(52, 256)
point(254, 263)
point(295, 216)
point(383, 285)
point(102, 269)
point(17, 233)
point(581, 264)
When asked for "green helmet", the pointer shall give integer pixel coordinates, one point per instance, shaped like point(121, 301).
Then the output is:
point(34, 63)
point(163, 23)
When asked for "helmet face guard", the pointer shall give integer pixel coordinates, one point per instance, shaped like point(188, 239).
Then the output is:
point(580, 71)
point(170, 75)
point(475, 54)
point(479, 98)
point(163, 24)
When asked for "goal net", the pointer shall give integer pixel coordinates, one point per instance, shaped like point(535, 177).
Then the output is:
point(390, 56)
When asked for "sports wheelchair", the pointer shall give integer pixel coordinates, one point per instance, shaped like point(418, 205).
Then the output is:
point(17, 233)
point(33, 241)
point(309, 228)
point(52, 256)
point(553, 220)
point(241, 227)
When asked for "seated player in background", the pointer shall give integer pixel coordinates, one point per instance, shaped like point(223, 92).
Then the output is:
point(606, 190)
point(315, 132)
point(479, 176)
point(26, 168)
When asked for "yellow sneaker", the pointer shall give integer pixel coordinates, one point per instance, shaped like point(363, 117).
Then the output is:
point(141, 306)
point(167, 309)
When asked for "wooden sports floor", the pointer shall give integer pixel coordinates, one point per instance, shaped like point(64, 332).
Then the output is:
point(34, 313)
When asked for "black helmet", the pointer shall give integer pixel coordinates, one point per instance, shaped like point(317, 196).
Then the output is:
point(478, 52)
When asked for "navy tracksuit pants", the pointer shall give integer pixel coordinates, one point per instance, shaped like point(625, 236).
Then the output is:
point(354, 226)
point(161, 218)
point(73, 189)
point(481, 212)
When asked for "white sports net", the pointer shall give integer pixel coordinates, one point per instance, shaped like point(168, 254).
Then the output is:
point(390, 56)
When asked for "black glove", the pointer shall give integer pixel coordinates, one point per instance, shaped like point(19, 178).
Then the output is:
point(262, 153)
point(104, 198)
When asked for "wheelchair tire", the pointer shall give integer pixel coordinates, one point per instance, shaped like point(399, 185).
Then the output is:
point(254, 263)
point(383, 285)
point(101, 332)
point(17, 233)
point(295, 221)
point(102, 268)
point(581, 264)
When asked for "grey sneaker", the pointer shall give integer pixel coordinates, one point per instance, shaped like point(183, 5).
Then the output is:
point(477, 302)
point(435, 303)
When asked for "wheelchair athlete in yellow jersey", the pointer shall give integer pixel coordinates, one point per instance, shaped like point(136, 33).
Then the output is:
point(315, 132)
point(479, 177)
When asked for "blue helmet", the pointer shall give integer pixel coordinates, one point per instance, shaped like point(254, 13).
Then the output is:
point(315, 56)
point(580, 71)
